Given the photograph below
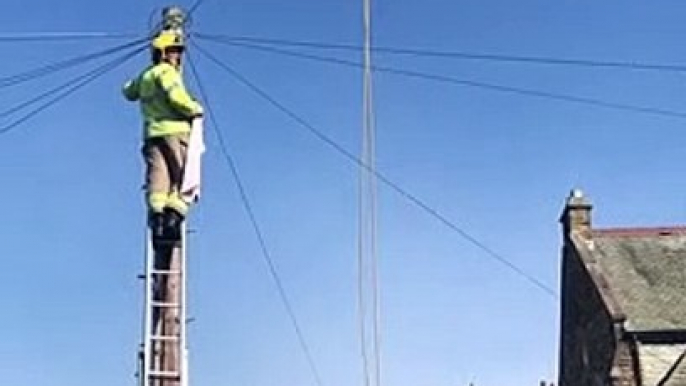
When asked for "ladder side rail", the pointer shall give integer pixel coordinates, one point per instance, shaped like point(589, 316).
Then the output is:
point(183, 344)
point(148, 312)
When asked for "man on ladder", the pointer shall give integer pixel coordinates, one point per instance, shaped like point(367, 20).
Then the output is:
point(168, 112)
point(169, 115)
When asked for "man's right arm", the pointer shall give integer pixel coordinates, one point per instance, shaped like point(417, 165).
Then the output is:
point(172, 84)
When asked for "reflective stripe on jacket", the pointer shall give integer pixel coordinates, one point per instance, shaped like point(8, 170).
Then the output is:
point(166, 106)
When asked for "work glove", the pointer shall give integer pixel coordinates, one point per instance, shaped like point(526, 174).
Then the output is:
point(199, 112)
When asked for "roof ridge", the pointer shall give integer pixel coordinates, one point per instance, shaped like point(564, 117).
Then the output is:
point(641, 231)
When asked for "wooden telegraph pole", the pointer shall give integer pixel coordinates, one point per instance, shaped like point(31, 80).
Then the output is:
point(163, 357)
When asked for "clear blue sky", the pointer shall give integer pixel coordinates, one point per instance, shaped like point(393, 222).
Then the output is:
point(498, 165)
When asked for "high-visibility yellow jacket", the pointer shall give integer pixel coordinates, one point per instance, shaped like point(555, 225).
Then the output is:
point(166, 106)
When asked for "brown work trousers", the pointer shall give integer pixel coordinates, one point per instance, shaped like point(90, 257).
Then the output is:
point(165, 158)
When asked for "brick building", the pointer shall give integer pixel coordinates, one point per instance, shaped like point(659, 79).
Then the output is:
point(623, 303)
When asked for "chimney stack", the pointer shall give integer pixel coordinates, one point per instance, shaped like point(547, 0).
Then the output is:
point(576, 216)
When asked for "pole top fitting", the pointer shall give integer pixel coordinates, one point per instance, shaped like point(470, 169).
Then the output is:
point(173, 19)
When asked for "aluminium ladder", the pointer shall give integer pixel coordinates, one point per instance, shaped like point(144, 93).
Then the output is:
point(163, 357)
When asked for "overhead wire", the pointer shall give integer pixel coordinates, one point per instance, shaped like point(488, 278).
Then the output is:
point(469, 83)
point(26, 37)
point(431, 211)
point(454, 54)
point(98, 72)
point(63, 91)
point(52, 68)
point(537, 60)
point(380, 176)
point(265, 251)
point(500, 58)
point(195, 7)
point(368, 259)
point(50, 92)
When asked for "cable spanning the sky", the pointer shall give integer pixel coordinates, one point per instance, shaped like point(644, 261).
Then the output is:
point(266, 254)
point(53, 68)
point(366, 162)
point(451, 54)
point(367, 166)
point(380, 176)
point(195, 7)
point(62, 91)
point(42, 37)
point(369, 297)
point(468, 83)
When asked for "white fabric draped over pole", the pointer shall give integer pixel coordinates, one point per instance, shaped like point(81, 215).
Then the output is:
point(192, 172)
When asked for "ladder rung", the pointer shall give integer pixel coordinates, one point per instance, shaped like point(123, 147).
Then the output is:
point(169, 338)
point(166, 305)
point(165, 272)
point(164, 374)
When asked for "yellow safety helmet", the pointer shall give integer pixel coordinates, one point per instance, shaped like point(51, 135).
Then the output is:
point(166, 40)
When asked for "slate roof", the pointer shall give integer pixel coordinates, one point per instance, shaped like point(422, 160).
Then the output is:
point(662, 365)
point(646, 274)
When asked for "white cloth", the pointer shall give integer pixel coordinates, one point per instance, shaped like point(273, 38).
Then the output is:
point(192, 172)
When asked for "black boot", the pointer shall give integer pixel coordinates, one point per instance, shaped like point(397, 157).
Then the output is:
point(156, 223)
point(172, 224)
